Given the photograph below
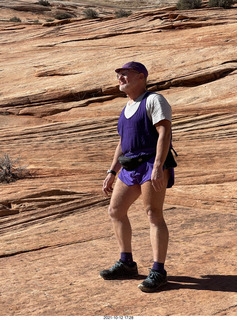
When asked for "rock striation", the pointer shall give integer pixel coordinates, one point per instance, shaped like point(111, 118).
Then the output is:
point(59, 106)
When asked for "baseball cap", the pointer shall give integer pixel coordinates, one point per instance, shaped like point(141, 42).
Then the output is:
point(134, 66)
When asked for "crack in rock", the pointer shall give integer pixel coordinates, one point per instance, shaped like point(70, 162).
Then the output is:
point(25, 105)
point(16, 253)
point(23, 211)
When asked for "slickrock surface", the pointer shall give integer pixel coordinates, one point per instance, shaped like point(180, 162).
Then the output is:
point(59, 109)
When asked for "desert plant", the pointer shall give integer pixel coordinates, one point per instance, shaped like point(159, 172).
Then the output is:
point(189, 4)
point(226, 4)
point(10, 170)
point(44, 3)
point(122, 13)
point(15, 19)
point(63, 15)
point(35, 22)
point(90, 14)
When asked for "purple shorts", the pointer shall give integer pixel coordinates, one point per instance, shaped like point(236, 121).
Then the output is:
point(142, 174)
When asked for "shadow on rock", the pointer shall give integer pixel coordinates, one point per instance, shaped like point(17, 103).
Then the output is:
point(224, 283)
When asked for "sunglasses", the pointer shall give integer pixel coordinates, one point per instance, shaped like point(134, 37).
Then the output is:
point(125, 73)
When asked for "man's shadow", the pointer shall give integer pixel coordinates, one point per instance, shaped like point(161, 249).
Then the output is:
point(224, 283)
point(208, 282)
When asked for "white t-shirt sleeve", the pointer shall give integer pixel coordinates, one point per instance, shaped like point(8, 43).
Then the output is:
point(158, 108)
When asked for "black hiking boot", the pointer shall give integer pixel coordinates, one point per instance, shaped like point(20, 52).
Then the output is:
point(120, 270)
point(153, 282)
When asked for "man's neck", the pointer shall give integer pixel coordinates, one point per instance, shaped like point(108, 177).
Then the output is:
point(134, 95)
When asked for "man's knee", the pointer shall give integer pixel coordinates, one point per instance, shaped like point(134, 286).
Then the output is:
point(113, 212)
point(155, 215)
point(116, 213)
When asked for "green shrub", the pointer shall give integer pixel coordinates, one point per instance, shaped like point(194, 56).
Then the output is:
point(90, 14)
point(10, 170)
point(44, 3)
point(226, 4)
point(122, 13)
point(189, 4)
point(15, 19)
point(63, 15)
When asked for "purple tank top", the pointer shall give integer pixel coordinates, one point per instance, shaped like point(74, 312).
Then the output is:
point(138, 134)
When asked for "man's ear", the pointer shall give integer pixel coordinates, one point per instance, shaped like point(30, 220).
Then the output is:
point(142, 77)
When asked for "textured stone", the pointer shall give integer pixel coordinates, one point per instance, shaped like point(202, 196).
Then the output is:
point(59, 108)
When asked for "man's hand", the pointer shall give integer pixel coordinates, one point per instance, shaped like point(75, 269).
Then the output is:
point(107, 185)
point(157, 178)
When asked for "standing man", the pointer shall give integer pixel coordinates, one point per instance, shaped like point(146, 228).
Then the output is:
point(144, 127)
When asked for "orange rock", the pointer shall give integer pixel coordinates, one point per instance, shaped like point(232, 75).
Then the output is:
point(59, 109)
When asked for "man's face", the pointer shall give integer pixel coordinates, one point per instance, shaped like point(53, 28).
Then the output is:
point(127, 79)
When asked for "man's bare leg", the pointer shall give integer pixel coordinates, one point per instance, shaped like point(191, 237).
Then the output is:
point(159, 235)
point(122, 198)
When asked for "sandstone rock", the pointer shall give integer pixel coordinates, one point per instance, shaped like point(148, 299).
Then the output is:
point(59, 109)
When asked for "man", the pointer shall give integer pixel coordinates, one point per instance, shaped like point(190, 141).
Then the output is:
point(144, 127)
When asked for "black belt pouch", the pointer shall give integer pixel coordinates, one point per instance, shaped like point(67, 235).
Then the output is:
point(131, 164)
point(170, 161)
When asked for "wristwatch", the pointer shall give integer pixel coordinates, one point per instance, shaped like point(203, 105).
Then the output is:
point(112, 171)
